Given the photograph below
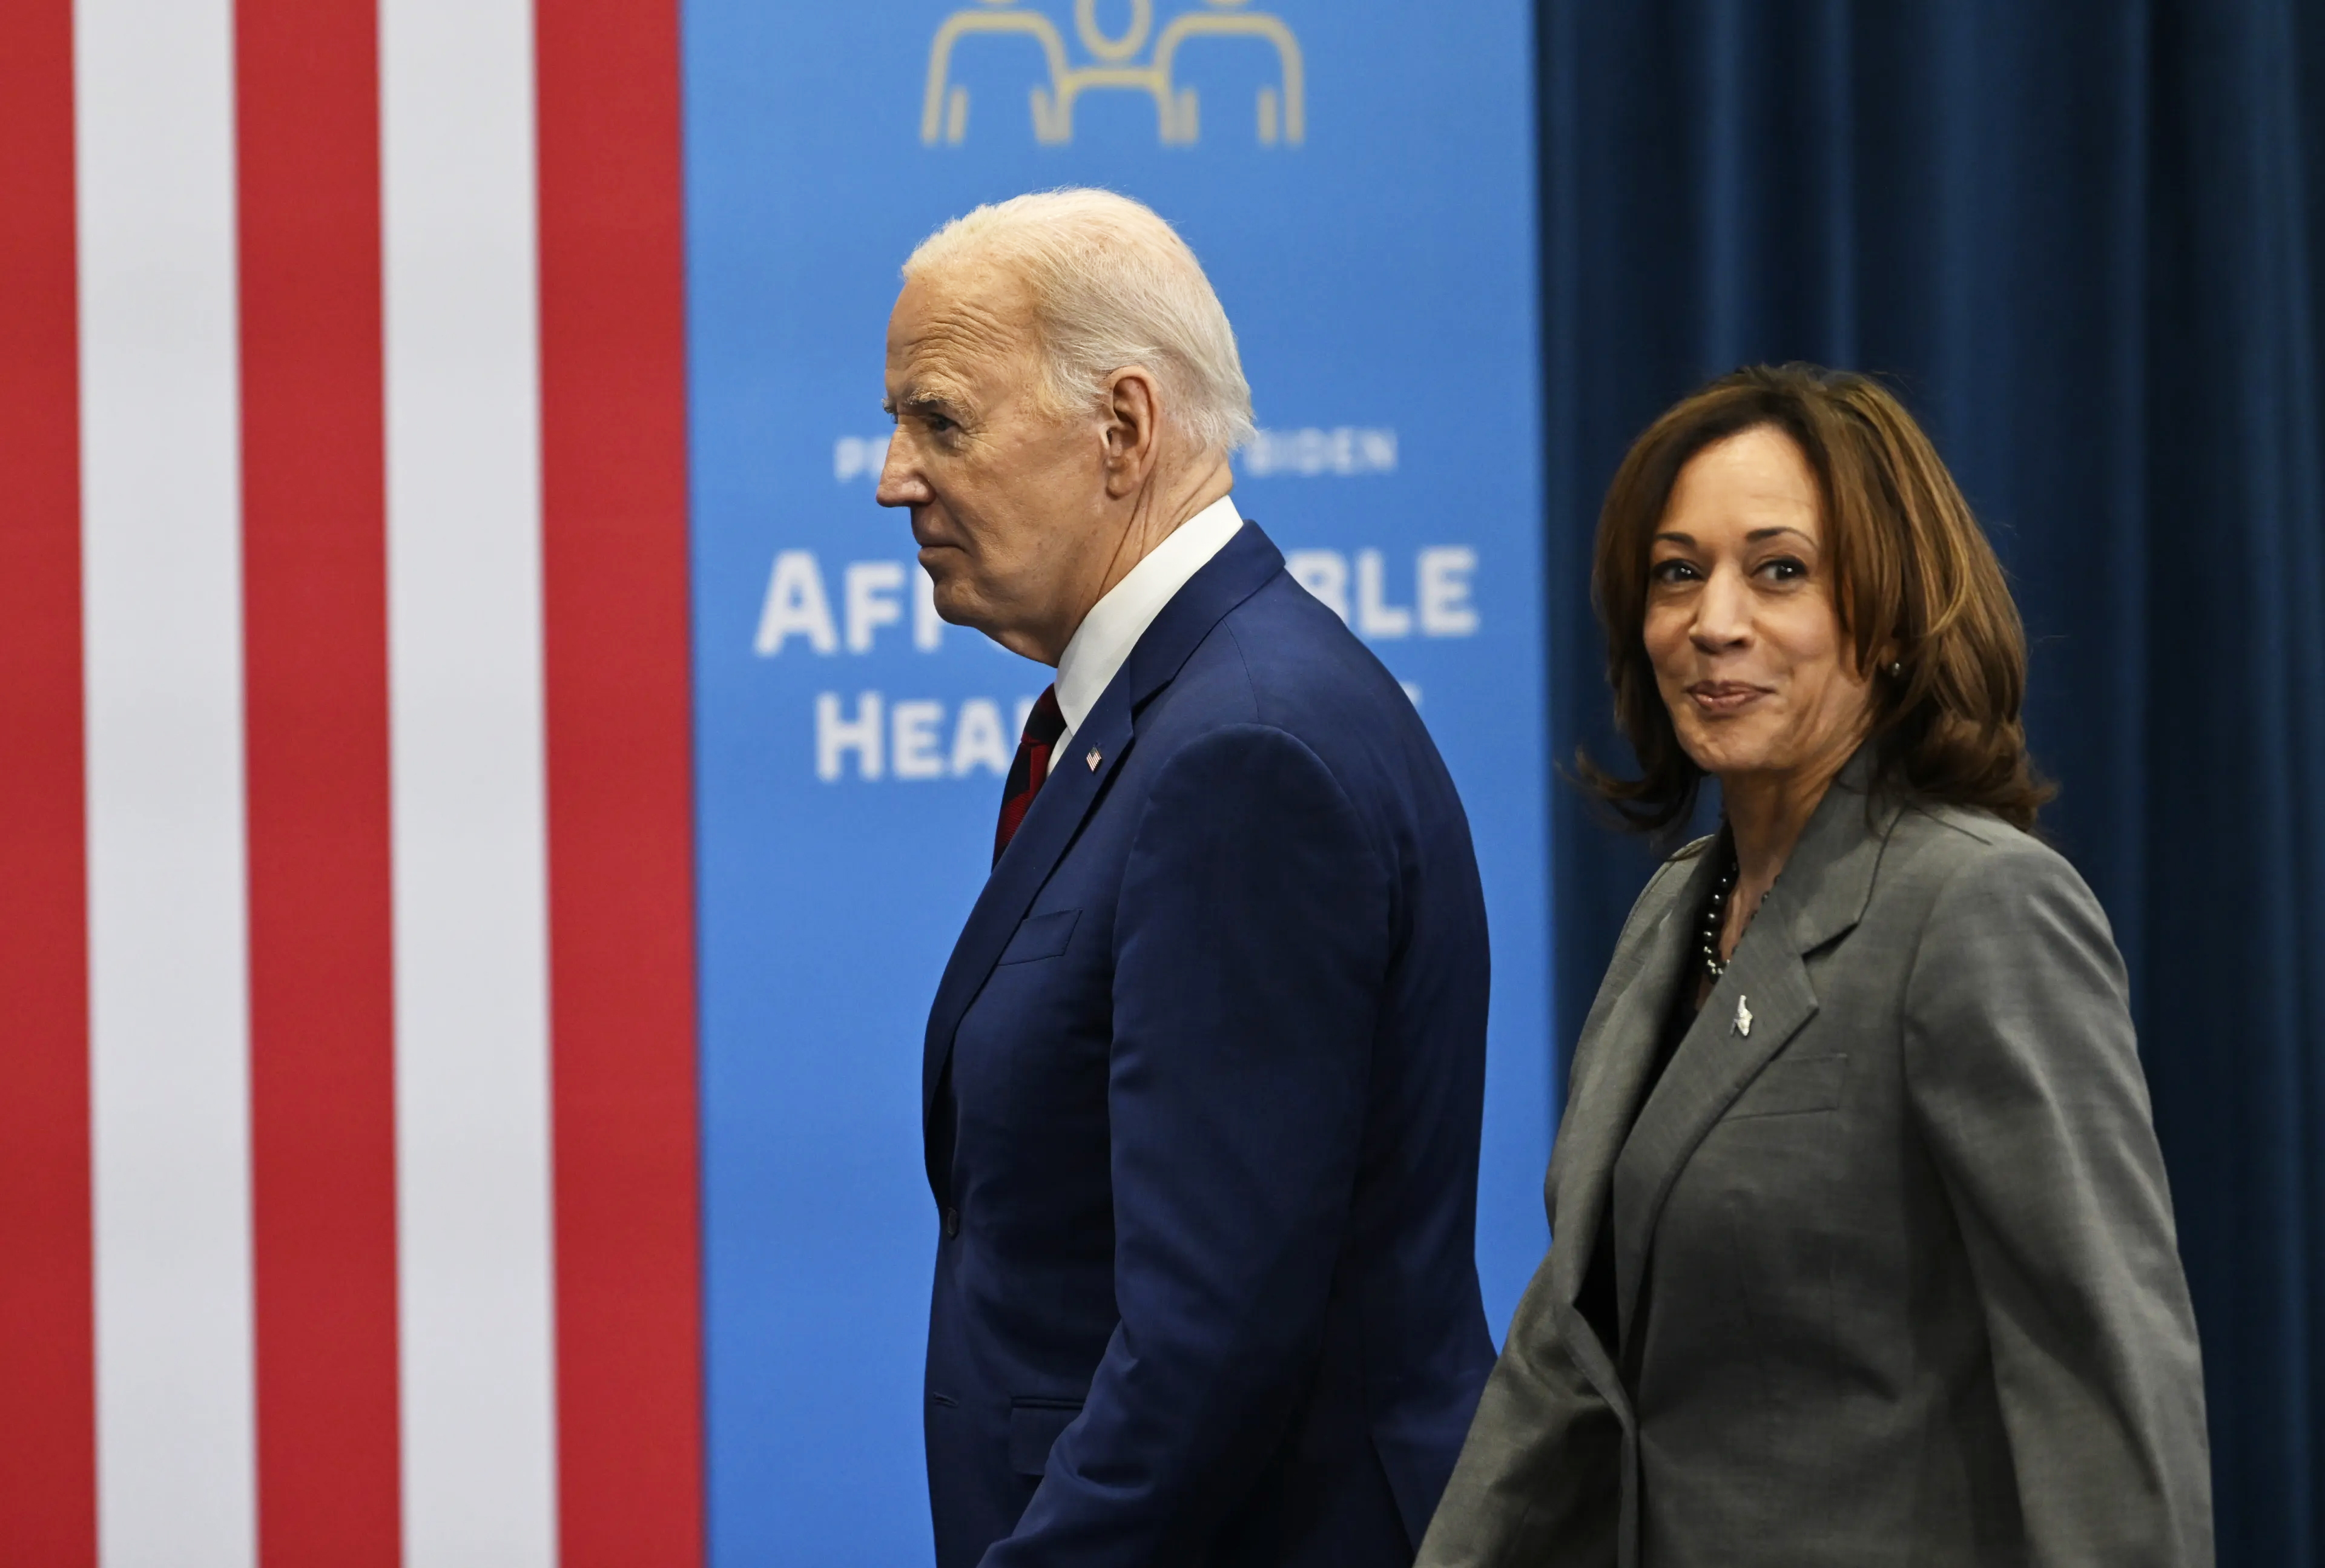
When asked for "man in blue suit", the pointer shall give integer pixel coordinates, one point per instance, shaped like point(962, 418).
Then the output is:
point(1204, 1076)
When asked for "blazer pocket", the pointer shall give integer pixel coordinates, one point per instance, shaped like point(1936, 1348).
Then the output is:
point(1033, 1428)
point(1792, 1088)
point(1040, 936)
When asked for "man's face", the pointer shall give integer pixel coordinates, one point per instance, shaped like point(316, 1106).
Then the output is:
point(1006, 497)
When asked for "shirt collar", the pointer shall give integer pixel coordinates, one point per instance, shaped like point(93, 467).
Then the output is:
point(1103, 641)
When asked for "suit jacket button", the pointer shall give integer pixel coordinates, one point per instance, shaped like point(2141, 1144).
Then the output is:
point(951, 1223)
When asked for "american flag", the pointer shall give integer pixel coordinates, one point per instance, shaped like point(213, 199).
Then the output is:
point(348, 1107)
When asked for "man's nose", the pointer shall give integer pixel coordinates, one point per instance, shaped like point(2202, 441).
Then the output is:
point(901, 484)
point(1722, 614)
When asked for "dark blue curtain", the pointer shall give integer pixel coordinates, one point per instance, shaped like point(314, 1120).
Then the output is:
point(2086, 243)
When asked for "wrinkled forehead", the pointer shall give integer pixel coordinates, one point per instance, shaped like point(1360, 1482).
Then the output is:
point(965, 327)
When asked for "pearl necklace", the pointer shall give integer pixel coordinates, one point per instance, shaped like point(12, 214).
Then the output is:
point(1715, 916)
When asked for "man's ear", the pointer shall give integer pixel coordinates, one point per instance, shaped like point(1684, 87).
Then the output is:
point(1133, 411)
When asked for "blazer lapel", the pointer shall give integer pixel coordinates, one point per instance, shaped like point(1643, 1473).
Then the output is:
point(1752, 1014)
point(1065, 798)
point(1073, 787)
point(1765, 990)
point(1611, 1065)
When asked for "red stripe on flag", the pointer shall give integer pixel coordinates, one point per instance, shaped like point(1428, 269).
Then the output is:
point(48, 1386)
point(620, 785)
point(322, 1058)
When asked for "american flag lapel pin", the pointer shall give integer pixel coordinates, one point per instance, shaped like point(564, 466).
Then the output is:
point(1093, 759)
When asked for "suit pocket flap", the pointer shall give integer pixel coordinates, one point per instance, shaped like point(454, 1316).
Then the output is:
point(1041, 936)
point(1789, 1088)
point(1033, 1428)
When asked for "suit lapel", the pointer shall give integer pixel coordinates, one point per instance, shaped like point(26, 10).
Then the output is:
point(1073, 787)
point(1065, 798)
point(1713, 1063)
point(1753, 1012)
point(1612, 1069)
point(1611, 1065)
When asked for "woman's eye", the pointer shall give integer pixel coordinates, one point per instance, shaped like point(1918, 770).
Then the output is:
point(1784, 569)
point(1673, 571)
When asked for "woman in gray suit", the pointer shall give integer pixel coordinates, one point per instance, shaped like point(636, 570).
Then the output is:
point(1862, 1249)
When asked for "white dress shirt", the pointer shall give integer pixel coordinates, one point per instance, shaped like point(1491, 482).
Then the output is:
point(1102, 641)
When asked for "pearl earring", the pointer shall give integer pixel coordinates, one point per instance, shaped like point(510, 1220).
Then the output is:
point(1896, 668)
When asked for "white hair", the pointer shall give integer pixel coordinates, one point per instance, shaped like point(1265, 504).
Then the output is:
point(1113, 285)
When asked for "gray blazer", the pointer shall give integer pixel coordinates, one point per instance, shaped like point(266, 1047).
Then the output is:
point(1893, 1252)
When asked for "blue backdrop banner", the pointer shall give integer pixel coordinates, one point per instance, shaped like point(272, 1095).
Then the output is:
point(1360, 183)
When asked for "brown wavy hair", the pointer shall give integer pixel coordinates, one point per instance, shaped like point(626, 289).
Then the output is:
point(1914, 582)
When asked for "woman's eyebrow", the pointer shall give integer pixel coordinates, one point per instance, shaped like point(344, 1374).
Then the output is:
point(1754, 537)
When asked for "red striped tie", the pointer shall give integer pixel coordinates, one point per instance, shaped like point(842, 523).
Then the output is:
point(1043, 725)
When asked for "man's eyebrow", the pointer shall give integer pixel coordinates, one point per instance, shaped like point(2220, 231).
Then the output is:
point(924, 400)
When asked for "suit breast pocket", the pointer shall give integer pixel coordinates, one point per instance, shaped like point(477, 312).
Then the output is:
point(1043, 1022)
point(1788, 1087)
point(1040, 936)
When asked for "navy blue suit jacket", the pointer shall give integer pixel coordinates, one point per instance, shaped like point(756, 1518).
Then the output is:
point(1202, 1091)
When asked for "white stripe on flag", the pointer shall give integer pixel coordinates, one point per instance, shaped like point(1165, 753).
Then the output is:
point(167, 938)
point(465, 671)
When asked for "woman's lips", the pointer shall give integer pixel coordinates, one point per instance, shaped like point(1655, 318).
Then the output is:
point(1725, 696)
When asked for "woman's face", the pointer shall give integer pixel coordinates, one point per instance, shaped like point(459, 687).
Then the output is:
point(1740, 625)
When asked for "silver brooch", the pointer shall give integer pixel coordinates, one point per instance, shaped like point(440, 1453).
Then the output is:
point(1744, 1016)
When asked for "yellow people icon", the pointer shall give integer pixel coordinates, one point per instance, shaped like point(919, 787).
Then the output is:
point(1282, 108)
point(1113, 51)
